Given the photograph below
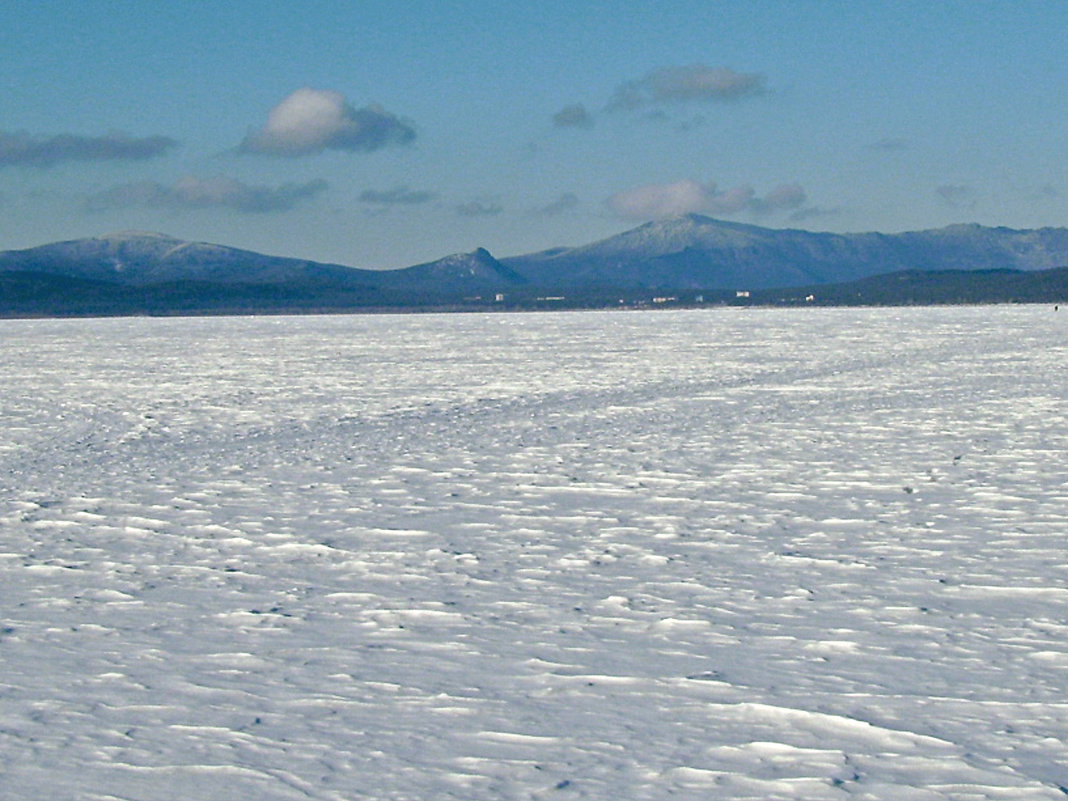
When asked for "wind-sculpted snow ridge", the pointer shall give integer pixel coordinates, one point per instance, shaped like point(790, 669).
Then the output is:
point(748, 554)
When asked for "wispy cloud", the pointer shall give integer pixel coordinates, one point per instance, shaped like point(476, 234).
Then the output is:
point(197, 193)
point(784, 196)
point(564, 203)
point(669, 86)
point(479, 208)
point(1046, 192)
point(656, 201)
point(812, 213)
point(890, 144)
point(573, 116)
point(45, 151)
point(696, 82)
point(692, 124)
point(309, 121)
point(956, 195)
point(397, 196)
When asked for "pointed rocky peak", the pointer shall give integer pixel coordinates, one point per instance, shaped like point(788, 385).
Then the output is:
point(476, 261)
point(477, 269)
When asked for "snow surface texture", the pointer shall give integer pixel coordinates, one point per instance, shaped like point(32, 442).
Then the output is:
point(730, 554)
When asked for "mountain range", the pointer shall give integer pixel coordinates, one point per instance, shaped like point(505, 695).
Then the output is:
point(153, 273)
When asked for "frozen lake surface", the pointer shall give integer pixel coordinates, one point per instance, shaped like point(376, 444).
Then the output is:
point(731, 554)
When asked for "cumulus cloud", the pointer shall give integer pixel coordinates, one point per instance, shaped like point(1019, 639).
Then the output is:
point(44, 151)
point(565, 202)
point(197, 193)
point(310, 121)
point(696, 82)
point(479, 208)
point(653, 201)
point(398, 196)
point(656, 201)
point(573, 116)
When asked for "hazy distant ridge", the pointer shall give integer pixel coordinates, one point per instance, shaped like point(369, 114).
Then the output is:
point(695, 252)
point(155, 272)
point(135, 258)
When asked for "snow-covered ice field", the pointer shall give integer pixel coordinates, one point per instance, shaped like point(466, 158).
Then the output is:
point(759, 554)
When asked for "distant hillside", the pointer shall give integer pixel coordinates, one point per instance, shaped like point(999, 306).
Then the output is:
point(678, 260)
point(135, 258)
point(44, 295)
point(695, 252)
point(921, 287)
point(462, 273)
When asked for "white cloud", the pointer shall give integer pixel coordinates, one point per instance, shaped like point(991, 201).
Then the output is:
point(653, 201)
point(656, 201)
point(310, 121)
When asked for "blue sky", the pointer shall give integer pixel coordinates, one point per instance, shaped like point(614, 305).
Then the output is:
point(382, 134)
